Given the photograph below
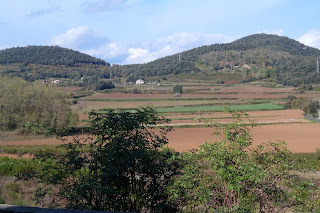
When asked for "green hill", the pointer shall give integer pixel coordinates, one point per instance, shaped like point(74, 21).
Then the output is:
point(40, 62)
point(253, 57)
point(258, 56)
point(46, 55)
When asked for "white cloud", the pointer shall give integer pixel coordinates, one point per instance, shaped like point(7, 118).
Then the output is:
point(172, 44)
point(80, 38)
point(138, 55)
point(88, 41)
point(111, 52)
point(311, 38)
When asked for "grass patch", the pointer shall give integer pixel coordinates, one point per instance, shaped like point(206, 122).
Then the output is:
point(308, 160)
point(9, 167)
point(156, 99)
point(20, 150)
point(246, 107)
point(215, 118)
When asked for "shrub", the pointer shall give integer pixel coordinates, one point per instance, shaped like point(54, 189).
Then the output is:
point(102, 85)
point(313, 107)
point(225, 176)
point(178, 89)
point(125, 169)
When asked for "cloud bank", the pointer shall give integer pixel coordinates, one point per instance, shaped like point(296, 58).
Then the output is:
point(91, 42)
point(80, 38)
point(311, 38)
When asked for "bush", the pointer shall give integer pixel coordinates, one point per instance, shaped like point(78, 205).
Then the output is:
point(313, 107)
point(102, 85)
point(125, 169)
point(220, 81)
point(178, 89)
point(225, 176)
point(9, 167)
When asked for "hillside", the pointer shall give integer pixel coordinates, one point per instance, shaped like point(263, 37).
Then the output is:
point(259, 56)
point(41, 62)
point(253, 57)
point(46, 55)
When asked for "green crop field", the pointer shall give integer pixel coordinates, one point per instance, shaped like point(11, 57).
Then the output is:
point(246, 107)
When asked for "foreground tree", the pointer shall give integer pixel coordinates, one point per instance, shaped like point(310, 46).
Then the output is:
point(33, 107)
point(226, 176)
point(121, 167)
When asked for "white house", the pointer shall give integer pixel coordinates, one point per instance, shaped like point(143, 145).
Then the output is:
point(139, 81)
point(55, 81)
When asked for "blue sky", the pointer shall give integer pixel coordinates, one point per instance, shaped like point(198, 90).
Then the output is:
point(138, 31)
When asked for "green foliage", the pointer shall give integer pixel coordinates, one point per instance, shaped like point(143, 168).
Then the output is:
point(33, 149)
point(34, 107)
point(225, 176)
point(178, 89)
point(46, 55)
point(2, 200)
point(247, 107)
point(43, 62)
point(220, 81)
point(125, 168)
point(308, 160)
point(136, 91)
point(102, 85)
point(313, 108)
point(9, 167)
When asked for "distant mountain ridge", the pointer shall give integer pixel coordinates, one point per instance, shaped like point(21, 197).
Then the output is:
point(43, 62)
point(286, 60)
point(254, 57)
point(46, 55)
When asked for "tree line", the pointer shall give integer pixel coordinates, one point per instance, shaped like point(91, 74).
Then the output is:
point(33, 107)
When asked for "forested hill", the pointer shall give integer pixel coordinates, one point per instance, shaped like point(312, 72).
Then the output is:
point(269, 56)
point(46, 55)
point(43, 62)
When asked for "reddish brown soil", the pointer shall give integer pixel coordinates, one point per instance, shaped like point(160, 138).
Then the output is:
point(301, 138)
point(256, 89)
point(140, 96)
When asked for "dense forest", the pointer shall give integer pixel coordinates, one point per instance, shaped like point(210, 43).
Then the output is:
point(46, 55)
point(285, 60)
point(41, 62)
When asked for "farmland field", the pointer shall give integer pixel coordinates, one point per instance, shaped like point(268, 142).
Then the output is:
point(264, 106)
point(300, 137)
